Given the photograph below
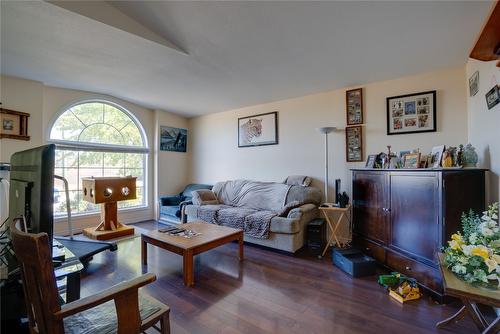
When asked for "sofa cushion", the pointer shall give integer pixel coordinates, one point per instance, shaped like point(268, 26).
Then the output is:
point(173, 211)
point(204, 197)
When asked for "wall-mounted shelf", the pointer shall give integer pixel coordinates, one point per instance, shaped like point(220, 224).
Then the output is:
point(13, 124)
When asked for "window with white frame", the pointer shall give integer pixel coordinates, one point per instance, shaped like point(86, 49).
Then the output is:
point(97, 138)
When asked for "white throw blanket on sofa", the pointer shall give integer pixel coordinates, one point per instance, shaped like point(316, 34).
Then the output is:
point(248, 205)
point(267, 196)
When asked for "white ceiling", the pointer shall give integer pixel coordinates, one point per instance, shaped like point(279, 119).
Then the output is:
point(239, 53)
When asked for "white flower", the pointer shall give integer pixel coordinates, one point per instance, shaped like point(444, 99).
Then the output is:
point(492, 264)
point(473, 238)
point(486, 232)
point(496, 257)
point(486, 218)
point(467, 249)
point(494, 216)
point(459, 269)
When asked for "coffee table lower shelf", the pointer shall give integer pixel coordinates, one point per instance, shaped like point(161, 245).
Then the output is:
point(188, 248)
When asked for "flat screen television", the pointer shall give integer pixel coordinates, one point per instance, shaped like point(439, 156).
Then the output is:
point(31, 193)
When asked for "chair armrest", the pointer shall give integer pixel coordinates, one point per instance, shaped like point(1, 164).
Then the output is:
point(170, 200)
point(101, 297)
point(183, 210)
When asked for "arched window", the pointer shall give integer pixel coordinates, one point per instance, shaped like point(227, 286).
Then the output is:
point(97, 138)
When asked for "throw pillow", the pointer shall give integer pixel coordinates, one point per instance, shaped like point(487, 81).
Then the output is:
point(204, 197)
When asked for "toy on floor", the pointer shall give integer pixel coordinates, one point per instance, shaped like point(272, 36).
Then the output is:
point(400, 287)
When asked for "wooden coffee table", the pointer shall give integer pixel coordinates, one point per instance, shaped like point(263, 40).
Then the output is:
point(211, 236)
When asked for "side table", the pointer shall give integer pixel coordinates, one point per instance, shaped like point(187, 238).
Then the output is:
point(334, 225)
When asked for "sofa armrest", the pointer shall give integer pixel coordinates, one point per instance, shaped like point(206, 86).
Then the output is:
point(305, 213)
point(170, 200)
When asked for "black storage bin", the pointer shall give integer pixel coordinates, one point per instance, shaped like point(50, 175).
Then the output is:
point(353, 262)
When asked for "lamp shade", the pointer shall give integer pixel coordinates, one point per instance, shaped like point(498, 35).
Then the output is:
point(326, 129)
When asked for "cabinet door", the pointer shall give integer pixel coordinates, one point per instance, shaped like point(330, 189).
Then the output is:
point(414, 219)
point(369, 201)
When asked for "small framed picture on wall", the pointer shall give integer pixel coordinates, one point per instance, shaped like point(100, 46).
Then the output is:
point(354, 143)
point(354, 106)
point(411, 113)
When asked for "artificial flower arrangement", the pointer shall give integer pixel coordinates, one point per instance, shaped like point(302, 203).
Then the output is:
point(474, 255)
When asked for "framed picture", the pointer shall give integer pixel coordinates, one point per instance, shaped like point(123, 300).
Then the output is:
point(354, 106)
point(14, 124)
point(354, 143)
point(173, 139)
point(436, 156)
point(474, 84)
point(493, 97)
point(258, 130)
point(412, 113)
point(370, 162)
point(411, 160)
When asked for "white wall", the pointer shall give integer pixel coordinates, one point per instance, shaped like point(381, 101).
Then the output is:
point(300, 151)
point(484, 131)
point(26, 96)
point(172, 172)
point(44, 103)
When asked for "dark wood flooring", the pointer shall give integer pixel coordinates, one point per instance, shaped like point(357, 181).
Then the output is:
point(268, 292)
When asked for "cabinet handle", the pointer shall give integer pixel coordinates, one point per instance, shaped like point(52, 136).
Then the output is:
point(407, 268)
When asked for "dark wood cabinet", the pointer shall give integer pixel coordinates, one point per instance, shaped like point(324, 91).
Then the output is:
point(403, 217)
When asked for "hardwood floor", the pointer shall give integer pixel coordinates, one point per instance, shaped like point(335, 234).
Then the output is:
point(268, 292)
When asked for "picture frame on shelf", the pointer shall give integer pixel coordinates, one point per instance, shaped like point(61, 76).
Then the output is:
point(354, 143)
point(411, 160)
point(474, 84)
point(370, 161)
point(436, 156)
point(492, 97)
point(354, 106)
point(411, 113)
point(258, 130)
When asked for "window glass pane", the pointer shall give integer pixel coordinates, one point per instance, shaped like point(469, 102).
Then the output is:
point(132, 135)
point(116, 117)
point(66, 158)
point(113, 172)
point(89, 113)
point(89, 172)
point(91, 159)
point(67, 127)
point(102, 134)
point(116, 160)
point(134, 160)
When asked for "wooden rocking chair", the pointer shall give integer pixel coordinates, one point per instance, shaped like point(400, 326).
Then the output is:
point(131, 312)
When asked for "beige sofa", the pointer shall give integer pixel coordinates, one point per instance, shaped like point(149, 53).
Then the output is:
point(294, 207)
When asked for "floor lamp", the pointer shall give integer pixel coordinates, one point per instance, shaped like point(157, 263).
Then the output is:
point(326, 130)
